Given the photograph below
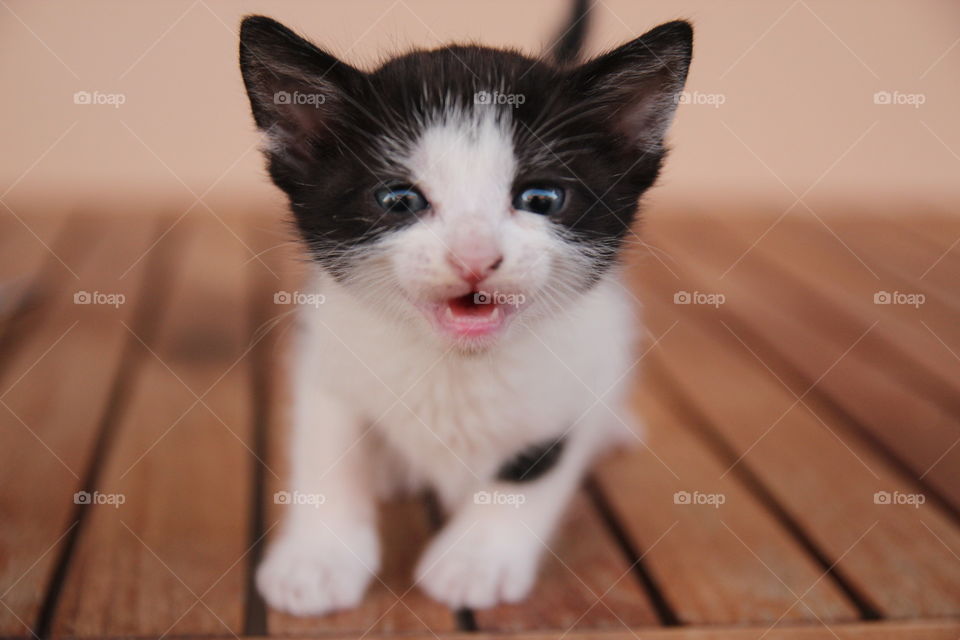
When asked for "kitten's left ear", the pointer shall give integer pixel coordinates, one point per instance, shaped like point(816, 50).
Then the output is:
point(637, 86)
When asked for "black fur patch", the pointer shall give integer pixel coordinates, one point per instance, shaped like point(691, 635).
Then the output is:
point(597, 128)
point(532, 462)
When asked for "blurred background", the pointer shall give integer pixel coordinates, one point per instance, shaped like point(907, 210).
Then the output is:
point(131, 102)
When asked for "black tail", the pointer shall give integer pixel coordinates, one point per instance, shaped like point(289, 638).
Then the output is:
point(568, 47)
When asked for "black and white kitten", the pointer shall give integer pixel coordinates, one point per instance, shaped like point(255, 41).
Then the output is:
point(464, 209)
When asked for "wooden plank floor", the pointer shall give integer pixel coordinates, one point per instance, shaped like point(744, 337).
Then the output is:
point(800, 475)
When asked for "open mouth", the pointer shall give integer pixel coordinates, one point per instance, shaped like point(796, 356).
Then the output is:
point(472, 315)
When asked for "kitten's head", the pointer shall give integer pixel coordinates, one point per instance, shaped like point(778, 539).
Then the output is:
point(465, 188)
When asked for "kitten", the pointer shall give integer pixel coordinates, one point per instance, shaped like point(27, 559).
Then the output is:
point(464, 209)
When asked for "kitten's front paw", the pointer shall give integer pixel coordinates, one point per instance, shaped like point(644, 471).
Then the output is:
point(310, 575)
point(479, 568)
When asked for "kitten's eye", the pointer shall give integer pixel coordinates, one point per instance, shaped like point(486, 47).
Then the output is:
point(543, 200)
point(401, 198)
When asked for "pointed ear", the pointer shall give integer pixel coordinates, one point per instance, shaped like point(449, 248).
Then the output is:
point(637, 86)
point(295, 88)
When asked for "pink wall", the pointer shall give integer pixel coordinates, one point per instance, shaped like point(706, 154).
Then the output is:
point(796, 80)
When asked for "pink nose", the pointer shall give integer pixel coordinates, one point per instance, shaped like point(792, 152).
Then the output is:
point(474, 267)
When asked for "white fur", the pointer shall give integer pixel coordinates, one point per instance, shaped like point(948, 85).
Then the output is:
point(383, 402)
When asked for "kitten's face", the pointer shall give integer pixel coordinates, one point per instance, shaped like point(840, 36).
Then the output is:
point(466, 189)
point(471, 260)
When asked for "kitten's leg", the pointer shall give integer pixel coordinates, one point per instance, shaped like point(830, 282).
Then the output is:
point(327, 550)
point(489, 550)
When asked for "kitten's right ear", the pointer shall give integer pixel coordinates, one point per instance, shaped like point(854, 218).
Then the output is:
point(295, 88)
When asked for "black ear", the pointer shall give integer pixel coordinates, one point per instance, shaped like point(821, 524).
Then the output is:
point(637, 86)
point(295, 88)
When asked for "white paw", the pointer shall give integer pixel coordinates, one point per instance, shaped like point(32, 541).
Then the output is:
point(480, 568)
point(316, 574)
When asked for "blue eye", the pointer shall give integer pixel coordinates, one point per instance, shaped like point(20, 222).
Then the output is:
point(543, 200)
point(401, 198)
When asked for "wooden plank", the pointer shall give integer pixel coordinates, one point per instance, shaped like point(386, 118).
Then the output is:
point(585, 582)
point(27, 243)
point(825, 480)
point(27, 255)
point(56, 392)
point(933, 630)
point(914, 266)
point(266, 237)
point(930, 225)
point(29, 267)
point(691, 548)
point(937, 227)
point(170, 559)
point(766, 303)
point(818, 263)
point(923, 268)
point(392, 604)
